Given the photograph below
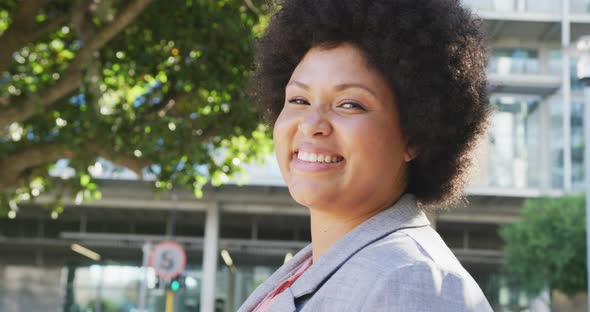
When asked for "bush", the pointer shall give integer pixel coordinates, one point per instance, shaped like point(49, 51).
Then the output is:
point(547, 246)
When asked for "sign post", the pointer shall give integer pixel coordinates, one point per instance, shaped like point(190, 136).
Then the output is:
point(147, 246)
point(168, 260)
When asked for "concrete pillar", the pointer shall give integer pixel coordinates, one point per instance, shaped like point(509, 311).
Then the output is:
point(210, 252)
point(566, 92)
point(146, 249)
point(231, 287)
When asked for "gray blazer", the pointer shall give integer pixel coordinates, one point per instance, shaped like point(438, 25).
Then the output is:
point(392, 262)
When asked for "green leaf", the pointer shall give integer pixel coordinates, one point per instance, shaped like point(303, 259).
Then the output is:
point(84, 180)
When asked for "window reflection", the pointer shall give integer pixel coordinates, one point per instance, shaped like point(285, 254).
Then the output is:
point(554, 62)
point(511, 155)
point(543, 6)
point(506, 61)
point(577, 134)
point(580, 6)
point(530, 6)
point(577, 142)
point(234, 286)
point(116, 288)
point(577, 122)
point(106, 288)
point(492, 5)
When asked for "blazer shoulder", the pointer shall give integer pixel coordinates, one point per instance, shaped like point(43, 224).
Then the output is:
point(423, 286)
point(413, 270)
point(399, 248)
point(410, 246)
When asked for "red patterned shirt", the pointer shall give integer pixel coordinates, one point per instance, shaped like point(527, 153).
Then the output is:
point(270, 297)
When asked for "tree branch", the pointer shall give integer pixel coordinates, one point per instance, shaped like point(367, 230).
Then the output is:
point(25, 106)
point(47, 28)
point(122, 21)
point(133, 163)
point(252, 7)
point(15, 165)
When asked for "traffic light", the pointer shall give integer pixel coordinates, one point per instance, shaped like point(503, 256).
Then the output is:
point(174, 285)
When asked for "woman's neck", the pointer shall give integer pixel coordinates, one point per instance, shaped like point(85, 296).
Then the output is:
point(328, 227)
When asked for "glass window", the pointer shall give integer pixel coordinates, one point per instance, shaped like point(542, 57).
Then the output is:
point(505, 5)
point(554, 62)
point(492, 5)
point(116, 288)
point(576, 85)
point(106, 287)
point(505, 61)
point(235, 285)
point(484, 5)
point(580, 6)
point(577, 122)
point(577, 128)
point(512, 151)
point(577, 143)
point(556, 141)
point(543, 6)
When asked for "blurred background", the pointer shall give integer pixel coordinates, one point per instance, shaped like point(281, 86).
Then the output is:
point(124, 124)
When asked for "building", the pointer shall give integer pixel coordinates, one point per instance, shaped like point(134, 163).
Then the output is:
point(539, 107)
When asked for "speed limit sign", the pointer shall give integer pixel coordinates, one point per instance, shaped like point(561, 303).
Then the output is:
point(168, 260)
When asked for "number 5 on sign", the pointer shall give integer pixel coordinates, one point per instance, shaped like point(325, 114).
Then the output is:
point(168, 260)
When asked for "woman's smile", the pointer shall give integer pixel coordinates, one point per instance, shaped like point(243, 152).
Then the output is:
point(306, 161)
point(318, 158)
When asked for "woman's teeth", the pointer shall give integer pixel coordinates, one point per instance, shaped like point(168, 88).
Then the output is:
point(312, 157)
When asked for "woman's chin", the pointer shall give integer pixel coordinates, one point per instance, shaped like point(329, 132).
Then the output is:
point(312, 197)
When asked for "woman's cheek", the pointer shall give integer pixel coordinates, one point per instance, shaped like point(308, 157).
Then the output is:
point(282, 138)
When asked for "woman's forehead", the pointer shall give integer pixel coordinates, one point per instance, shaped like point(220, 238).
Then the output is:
point(338, 67)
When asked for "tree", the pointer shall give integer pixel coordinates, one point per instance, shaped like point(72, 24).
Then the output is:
point(153, 86)
point(547, 246)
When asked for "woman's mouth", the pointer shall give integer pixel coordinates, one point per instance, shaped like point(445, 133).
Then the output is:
point(318, 158)
point(310, 162)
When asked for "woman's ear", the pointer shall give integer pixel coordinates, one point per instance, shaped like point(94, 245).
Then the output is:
point(410, 154)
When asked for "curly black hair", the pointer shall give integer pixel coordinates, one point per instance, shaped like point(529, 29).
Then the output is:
point(432, 54)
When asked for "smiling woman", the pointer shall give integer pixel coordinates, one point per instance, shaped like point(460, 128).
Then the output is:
point(375, 106)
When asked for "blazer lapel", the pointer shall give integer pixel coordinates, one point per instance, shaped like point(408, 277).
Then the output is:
point(284, 302)
point(403, 214)
point(286, 298)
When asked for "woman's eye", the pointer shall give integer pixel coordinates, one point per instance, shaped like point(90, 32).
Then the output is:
point(298, 101)
point(351, 105)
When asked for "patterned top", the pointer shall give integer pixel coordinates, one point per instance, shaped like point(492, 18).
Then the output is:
point(269, 299)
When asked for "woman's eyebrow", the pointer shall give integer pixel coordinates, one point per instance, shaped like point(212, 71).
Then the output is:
point(299, 84)
point(339, 87)
point(344, 86)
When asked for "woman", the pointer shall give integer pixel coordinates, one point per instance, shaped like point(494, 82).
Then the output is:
point(376, 105)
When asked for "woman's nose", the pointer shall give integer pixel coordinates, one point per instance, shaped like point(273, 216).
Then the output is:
point(315, 124)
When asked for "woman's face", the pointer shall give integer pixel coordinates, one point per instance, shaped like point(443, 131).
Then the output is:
point(338, 140)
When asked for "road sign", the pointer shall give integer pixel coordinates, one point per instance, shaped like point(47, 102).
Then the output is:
point(168, 260)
